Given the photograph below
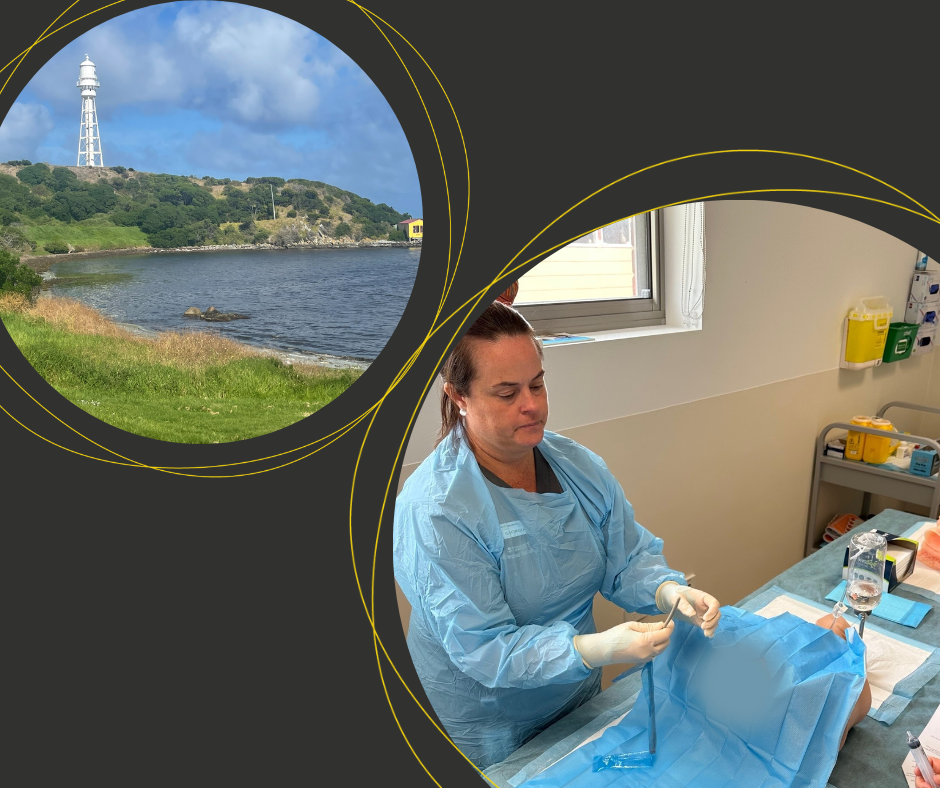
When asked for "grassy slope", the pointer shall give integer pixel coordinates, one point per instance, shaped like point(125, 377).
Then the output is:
point(90, 237)
point(119, 381)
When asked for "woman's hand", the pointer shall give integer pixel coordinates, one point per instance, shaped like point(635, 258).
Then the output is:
point(630, 642)
point(920, 782)
point(696, 607)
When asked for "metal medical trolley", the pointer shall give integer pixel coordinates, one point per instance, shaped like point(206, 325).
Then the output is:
point(921, 490)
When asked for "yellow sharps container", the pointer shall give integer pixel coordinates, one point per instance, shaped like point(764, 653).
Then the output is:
point(855, 441)
point(865, 332)
point(878, 449)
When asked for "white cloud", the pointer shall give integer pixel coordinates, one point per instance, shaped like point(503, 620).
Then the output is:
point(233, 149)
point(261, 58)
point(131, 71)
point(235, 62)
point(23, 130)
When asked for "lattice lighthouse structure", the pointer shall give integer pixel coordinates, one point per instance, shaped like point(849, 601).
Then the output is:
point(89, 141)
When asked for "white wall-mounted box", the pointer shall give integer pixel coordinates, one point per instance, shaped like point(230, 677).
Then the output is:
point(925, 287)
point(919, 314)
point(925, 340)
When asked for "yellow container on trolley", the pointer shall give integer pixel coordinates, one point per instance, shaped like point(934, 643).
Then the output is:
point(878, 449)
point(855, 441)
point(864, 333)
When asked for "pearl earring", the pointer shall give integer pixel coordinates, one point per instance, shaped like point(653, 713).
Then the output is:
point(463, 412)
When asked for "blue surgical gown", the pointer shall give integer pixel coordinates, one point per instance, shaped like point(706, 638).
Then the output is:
point(500, 580)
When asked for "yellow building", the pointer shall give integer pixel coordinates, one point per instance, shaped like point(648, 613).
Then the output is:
point(600, 265)
point(412, 228)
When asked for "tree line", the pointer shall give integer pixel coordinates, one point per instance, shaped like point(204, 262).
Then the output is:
point(174, 211)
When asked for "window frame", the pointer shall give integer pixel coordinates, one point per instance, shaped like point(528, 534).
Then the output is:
point(574, 317)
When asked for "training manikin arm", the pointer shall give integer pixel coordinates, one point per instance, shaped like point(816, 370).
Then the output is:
point(838, 626)
point(462, 599)
point(636, 567)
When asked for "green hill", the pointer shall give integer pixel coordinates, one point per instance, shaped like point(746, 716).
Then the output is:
point(47, 209)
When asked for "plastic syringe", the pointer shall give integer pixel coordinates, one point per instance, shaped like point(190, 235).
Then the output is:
point(921, 760)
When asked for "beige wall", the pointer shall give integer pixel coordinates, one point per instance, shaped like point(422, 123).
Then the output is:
point(711, 432)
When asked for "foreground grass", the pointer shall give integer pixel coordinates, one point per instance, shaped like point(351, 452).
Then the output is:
point(191, 387)
point(92, 238)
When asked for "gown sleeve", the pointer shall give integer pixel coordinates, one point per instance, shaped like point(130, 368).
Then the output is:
point(636, 566)
point(453, 580)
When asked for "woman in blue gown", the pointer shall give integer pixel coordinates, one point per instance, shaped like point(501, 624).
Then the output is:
point(502, 538)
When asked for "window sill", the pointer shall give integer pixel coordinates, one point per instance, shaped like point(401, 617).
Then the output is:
point(624, 333)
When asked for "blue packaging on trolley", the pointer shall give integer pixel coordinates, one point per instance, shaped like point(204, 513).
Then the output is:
point(924, 462)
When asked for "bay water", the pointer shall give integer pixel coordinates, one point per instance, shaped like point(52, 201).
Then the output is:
point(333, 303)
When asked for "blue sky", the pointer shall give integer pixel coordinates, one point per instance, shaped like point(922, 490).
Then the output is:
point(221, 89)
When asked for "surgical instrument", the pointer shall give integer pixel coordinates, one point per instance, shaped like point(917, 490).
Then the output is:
point(675, 607)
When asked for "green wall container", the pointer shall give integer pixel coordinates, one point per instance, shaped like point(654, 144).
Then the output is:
point(900, 341)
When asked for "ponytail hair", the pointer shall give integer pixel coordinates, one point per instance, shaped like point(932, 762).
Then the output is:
point(498, 320)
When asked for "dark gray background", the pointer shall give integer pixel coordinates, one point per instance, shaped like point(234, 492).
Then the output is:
point(202, 631)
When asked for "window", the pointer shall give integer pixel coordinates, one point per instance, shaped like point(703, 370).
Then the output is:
point(608, 279)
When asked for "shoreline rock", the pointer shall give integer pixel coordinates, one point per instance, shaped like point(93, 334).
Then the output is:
point(213, 315)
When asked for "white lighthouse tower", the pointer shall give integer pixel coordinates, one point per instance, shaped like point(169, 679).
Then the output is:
point(89, 142)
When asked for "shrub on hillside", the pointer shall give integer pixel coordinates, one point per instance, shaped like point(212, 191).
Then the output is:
point(35, 174)
point(273, 181)
point(229, 235)
point(20, 163)
point(397, 235)
point(260, 237)
point(56, 247)
point(14, 239)
point(292, 214)
point(342, 229)
point(16, 277)
point(286, 234)
point(63, 179)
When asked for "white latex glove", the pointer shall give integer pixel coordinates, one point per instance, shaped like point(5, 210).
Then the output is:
point(696, 607)
point(629, 642)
